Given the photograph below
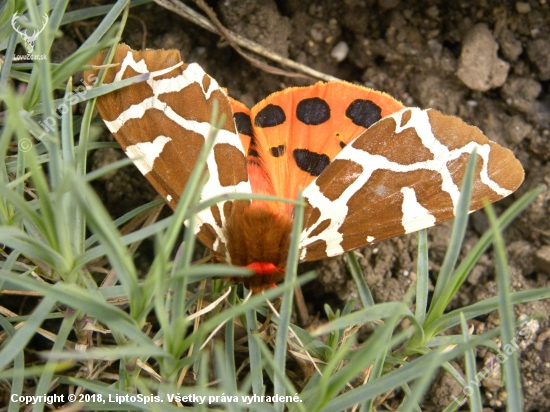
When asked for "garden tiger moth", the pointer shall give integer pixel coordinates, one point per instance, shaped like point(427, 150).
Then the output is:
point(370, 168)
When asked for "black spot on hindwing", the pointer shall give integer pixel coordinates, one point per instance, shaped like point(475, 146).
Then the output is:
point(253, 153)
point(310, 162)
point(270, 116)
point(363, 112)
point(342, 144)
point(243, 123)
point(313, 111)
point(277, 151)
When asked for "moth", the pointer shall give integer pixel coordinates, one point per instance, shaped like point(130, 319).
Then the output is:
point(370, 168)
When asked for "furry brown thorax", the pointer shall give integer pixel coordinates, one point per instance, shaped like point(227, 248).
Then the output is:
point(259, 238)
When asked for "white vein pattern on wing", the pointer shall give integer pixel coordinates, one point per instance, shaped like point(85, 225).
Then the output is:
point(214, 188)
point(192, 74)
point(136, 111)
point(144, 154)
point(415, 216)
point(128, 61)
point(421, 122)
point(336, 211)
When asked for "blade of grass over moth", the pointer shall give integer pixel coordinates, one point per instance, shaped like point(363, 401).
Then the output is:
point(241, 196)
point(359, 279)
point(440, 297)
point(506, 312)
point(184, 209)
point(285, 310)
point(471, 369)
point(451, 407)
point(422, 277)
point(79, 59)
point(479, 248)
point(193, 184)
point(209, 271)
point(177, 289)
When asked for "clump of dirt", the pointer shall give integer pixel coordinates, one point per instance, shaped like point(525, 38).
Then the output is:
point(485, 61)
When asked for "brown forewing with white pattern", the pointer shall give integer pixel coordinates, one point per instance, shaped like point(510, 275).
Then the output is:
point(163, 123)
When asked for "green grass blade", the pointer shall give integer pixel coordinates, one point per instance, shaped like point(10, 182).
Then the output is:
point(471, 370)
point(255, 353)
point(448, 320)
point(359, 278)
point(285, 310)
point(413, 370)
point(76, 297)
point(381, 311)
point(19, 340)
point(506, 311)
point(18, 377)
point(106, 24)
point(475, 253)
point(91, 12)
point(51, 365)
point(422, 278)
point(101, 224)
point(457, 236)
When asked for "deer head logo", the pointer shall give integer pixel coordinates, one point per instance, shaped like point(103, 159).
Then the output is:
point(29, 40)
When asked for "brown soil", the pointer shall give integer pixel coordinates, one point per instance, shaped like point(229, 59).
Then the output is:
point(485, 61)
